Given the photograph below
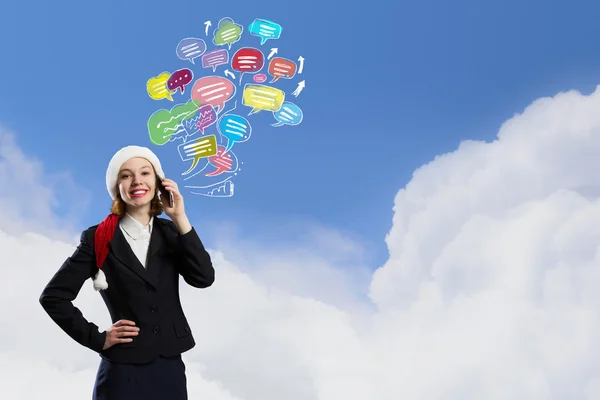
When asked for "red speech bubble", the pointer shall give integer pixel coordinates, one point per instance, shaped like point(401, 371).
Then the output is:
point(179, 79)
point(213, 90)
point(247, 60)
point(222, 161)
point(280, 67)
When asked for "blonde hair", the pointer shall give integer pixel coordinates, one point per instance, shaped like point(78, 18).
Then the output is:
point(156, 208)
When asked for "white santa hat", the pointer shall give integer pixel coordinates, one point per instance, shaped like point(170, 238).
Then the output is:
point(121, 157)
point(106, 229)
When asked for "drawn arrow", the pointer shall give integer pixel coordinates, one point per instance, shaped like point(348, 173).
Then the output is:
point(298, 90)
point(208, 24)
point(301, 60)
point(227, 72)
point(272, 53)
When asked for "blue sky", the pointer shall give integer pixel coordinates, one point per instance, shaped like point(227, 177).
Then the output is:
point(388, 87)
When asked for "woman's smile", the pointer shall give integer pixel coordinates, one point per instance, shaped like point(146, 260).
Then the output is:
point(138, 193)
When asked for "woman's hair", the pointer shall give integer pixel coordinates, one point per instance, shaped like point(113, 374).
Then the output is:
point(156, 207)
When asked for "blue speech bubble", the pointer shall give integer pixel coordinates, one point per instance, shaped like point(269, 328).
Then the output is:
point(235, 128)
point(288, 114)
point(265, 30)
point(190, 48)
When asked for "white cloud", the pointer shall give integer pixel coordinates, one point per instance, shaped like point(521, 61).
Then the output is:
point(489, 291)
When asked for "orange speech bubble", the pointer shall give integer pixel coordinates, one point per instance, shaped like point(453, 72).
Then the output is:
point(280, 67)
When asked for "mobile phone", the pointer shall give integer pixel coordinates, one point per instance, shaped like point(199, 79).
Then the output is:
point(165, 194)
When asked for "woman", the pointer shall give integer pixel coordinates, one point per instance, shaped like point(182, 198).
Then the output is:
point(135, 260)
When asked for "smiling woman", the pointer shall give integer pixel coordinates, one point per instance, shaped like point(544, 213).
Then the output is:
point(135, 259)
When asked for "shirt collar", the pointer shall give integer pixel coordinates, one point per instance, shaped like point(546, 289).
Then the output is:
point(135, 229)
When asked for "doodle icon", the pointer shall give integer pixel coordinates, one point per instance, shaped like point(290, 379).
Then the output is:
point(265, 30)
point(280, 67)
point(247, 60)
point(157, 87)
point(197, 149)
point(190, 48)
point(235, 128)
point(213, 90)
point(288, 114)
point(215, 58)
point(179, 79)
point(219, 189)
point(262, 97)
point(227, 33)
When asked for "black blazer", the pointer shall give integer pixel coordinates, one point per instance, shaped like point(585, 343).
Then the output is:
point(149, 297)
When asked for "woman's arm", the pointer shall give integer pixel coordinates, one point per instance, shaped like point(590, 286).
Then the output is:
point(194, 264)
point(63, 288)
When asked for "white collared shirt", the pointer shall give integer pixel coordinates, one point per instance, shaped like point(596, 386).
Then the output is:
point(137, 235)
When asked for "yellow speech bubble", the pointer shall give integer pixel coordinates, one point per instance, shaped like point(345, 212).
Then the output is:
point(262, 97)
point(157, 87)
point(195, 150)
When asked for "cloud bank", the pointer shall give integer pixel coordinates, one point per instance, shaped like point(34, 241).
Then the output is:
point(488, 293)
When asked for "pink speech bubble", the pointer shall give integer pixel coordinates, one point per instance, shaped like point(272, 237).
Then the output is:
point(222, 161)
point(207, 117)
point(213, 90)
point(259, 78)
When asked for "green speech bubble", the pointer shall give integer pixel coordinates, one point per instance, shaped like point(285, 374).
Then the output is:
point(165, 125)
point(227, 33)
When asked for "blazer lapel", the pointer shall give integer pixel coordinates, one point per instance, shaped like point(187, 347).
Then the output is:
point(122, 252)
point(157, 241)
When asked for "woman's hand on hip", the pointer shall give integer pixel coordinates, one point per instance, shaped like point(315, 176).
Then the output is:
point(120, 332)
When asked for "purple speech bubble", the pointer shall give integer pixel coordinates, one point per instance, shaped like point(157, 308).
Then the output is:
point(190, 48)
point(179, 79)
point(206, 117)
point(215, 58)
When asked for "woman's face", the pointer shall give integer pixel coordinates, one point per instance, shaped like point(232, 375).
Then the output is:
point(137, 182)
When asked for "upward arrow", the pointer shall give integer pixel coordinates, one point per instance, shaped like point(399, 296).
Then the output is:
point(301, 60)
point(208, 24)
point(272, 53)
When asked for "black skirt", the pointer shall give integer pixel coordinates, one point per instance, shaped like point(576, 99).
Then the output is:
point(162, 379)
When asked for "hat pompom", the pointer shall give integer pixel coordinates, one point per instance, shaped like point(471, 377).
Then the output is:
point(99, 281)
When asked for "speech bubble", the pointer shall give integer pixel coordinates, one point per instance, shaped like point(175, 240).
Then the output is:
point(197, 149)
point(227, 33)
point(288, 114)
point(265, 30)
point(280, 67)
point(213, 90)
point(259, 78)
point(223, 162)
point(214, 58)
point(179, 79)
point(190, 48)
point(247, 60)
point(235, 128)
point(166, 125)
point(262, 97)
point(205, 117)
point(157, 87)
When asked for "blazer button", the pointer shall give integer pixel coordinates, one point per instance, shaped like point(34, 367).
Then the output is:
point(156, 329)
point(153, 308)
point(151, 290)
